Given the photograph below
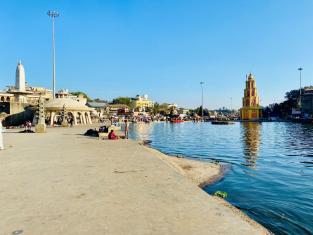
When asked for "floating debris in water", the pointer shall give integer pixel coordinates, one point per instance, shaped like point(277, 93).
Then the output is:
point(220, 194)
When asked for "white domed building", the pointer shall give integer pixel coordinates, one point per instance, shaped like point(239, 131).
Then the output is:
point(75, 110)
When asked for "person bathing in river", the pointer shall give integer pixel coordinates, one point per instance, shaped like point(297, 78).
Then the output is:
point(112, 135)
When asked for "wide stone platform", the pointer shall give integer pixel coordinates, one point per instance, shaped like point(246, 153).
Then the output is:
point(61, 182)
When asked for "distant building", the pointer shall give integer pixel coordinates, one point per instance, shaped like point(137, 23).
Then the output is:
point(172, 106)
point(167, 109)
point(75, 110)
point(16, 98)
point(64, 93)
point(307, 102)
point(117, 109)
point(251, 109)
point(97, 105)
point(183, 111)
point(141, 103)
point(76, 106)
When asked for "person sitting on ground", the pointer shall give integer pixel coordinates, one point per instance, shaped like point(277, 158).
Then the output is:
point(112, 135)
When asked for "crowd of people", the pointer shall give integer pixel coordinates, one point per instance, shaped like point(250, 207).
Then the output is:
point(111, 135)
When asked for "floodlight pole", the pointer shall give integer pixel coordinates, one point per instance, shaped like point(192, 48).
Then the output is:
point(53, 15)
point(231, 103)
point(300, 70)
point(201, 83)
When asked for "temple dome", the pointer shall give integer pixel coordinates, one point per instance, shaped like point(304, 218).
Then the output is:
point(70, 104)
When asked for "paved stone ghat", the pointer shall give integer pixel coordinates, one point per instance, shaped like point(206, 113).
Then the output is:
point(61, 182)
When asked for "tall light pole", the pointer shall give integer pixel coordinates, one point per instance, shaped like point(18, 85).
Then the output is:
point(300, 70)
point(231, 103)
point(201, 83)
point(53, 15)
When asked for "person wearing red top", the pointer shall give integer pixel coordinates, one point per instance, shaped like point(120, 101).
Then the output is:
point(112, 135)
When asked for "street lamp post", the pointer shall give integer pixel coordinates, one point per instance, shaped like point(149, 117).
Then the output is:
point(231, 103)
point(53, 15)
point(300, 70)
point(201, 83)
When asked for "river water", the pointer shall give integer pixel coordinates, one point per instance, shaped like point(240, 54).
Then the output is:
point(271, 178)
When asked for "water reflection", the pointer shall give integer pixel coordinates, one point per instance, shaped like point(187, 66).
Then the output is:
point(142, 131)
point(251, 142)
point(299, 139)
point(279, 194)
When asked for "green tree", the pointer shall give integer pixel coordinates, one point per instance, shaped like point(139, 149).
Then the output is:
point(156, 108)
point(77, 93)
point(293, 95)
point(163, 109)
point(284, 109)
point(123, 100)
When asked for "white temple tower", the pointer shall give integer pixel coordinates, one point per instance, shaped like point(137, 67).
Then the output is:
point(20, 77)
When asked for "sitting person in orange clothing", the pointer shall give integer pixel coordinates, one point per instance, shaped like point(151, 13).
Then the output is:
point(112, 135)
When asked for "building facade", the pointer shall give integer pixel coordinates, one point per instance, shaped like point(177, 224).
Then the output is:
point(251, 109)
point(76, 111)
point(307, 102)
point(117, 109)
point(142, 103)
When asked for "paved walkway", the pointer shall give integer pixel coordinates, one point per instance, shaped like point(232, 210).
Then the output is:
point(64, 183)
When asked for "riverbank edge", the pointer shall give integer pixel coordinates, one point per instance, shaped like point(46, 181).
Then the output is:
point(167, 159)
point(176, 163)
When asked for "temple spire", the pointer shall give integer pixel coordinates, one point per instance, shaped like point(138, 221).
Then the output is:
point(20, 82)
point(250, 102)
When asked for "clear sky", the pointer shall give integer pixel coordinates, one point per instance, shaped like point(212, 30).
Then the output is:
point(163, 48)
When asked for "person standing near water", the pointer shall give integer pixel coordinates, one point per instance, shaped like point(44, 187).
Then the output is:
point(126, 129)
point(1, 137)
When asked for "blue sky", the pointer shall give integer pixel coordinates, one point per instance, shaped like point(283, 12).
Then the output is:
point(163, 48)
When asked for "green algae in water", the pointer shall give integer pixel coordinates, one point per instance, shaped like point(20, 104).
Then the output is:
point(220, 194)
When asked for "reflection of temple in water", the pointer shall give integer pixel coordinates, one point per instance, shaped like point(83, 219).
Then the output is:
point(251, 140)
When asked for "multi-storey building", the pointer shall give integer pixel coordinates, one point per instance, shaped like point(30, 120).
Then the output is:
point(142, 103)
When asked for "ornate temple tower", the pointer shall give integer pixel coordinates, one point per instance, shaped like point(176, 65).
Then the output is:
point(20, 77)
point(251, 109)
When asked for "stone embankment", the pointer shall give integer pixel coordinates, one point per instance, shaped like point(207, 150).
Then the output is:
point(62, 182)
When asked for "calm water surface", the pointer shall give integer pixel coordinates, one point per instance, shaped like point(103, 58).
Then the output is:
point(271, 178)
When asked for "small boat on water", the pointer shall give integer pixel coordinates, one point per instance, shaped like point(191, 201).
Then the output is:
point(222, 123)
point(175, 120)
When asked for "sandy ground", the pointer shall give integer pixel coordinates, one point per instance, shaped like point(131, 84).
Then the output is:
point(61, 182)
